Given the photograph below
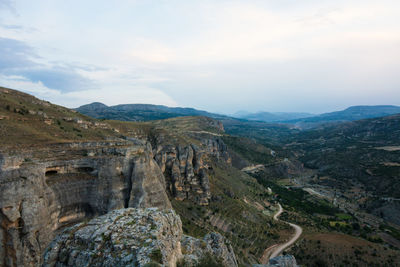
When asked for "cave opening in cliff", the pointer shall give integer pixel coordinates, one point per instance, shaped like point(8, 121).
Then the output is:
point(51, 172)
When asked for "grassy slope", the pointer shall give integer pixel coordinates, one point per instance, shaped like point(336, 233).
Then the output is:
point(334, 249)
point(238, 206)
point(24, 119)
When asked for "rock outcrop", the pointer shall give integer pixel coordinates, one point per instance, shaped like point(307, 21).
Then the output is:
point(212, 244)
point(280, 261)
point(126, 237)
point(134, 237)
point(186, 168)
point(44, 189)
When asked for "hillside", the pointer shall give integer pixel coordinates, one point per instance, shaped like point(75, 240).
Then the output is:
point(361, 155)
point(140, 112)
point(28, 121)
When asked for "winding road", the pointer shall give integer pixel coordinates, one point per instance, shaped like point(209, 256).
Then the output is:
point(277, 249)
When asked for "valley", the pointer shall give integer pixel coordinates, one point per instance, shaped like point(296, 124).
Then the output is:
point(217, 192)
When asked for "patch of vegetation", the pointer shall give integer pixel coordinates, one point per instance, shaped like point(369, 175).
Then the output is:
point(209, 261)
point(332, 249)
point(156, 256)
point(249, 149)
point(237, 204)
point(298, 198)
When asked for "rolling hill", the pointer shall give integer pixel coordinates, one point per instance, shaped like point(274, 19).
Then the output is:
point(140, 112)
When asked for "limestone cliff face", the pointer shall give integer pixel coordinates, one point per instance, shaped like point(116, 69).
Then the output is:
point(44, 189)
point(186, 168)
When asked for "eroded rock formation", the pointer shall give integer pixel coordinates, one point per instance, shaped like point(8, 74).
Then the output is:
point(45, 189)
point(186, 168)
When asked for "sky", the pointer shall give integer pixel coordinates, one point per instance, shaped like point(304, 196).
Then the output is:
point(221, 56)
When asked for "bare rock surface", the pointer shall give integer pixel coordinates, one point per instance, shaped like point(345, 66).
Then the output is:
point(135, 237)
point(280, 261)
point(212, 244)
point(126, 237)
point(186, 168)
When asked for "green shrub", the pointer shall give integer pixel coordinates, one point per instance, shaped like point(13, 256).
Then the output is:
point(156, 255)
point(209, 261)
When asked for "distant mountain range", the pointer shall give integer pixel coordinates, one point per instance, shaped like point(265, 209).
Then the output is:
point(350, 114)
point(147, 112)
point(140, 112)
point(271, 116)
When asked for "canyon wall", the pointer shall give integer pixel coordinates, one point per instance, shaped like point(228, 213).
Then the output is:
point(44, 189)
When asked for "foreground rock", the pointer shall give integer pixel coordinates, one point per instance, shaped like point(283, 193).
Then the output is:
point(134, 237)
point(280, 261)
point(212, 244)
point(127, 237)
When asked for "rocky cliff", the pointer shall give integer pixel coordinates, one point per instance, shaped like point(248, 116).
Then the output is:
point(186, 168)
point(134, 237)
point(45, 189)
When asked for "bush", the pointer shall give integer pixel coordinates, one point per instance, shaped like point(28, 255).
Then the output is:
point(209, 261)
point(181, 263)
point(156, 255)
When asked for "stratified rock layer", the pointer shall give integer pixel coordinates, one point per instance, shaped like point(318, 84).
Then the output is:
point(42, 190)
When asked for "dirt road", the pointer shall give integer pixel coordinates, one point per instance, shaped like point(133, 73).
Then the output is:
point(277, 249)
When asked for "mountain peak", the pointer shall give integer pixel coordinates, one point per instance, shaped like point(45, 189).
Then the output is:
point(96, 104)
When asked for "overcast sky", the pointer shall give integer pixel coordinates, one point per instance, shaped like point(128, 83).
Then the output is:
point(221, 56)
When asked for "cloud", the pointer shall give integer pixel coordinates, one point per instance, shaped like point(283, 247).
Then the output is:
point(17, 28)
point(19, 59)
point(15, 54)
point(7, 5)
point(59, 78)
